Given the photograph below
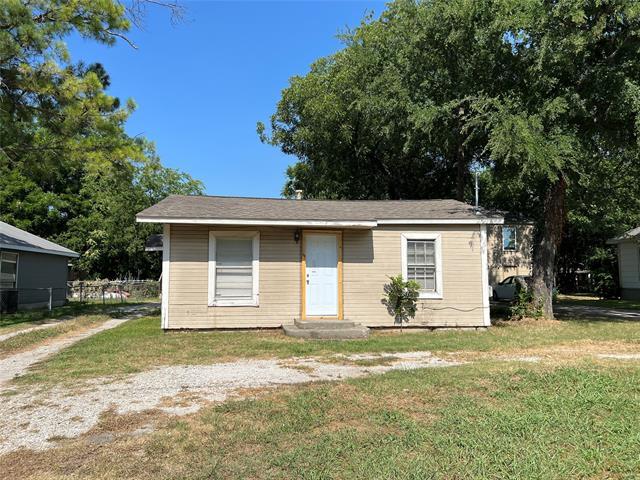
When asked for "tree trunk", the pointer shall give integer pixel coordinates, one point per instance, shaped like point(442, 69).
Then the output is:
point(544, 256)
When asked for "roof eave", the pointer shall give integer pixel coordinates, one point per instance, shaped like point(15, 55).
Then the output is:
point(20, 248)
point(320, 223)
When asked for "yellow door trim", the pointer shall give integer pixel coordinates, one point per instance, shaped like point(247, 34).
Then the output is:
point(303, 275)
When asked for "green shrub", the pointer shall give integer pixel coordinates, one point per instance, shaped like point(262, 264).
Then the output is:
point(525, 304)
point(401, 299)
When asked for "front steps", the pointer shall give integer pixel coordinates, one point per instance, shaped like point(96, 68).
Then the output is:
point(326, 329)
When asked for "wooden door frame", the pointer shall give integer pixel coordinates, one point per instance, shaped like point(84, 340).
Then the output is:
point(303, 275)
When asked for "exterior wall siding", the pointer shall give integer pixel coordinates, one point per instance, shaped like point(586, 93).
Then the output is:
point(503, 264)
point(369, 258)
point(36, 273)
point(629, 265)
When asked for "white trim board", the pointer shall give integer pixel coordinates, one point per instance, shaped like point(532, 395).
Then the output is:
point(486, 309)
point(166, 267)
point(439, 293)
point(323, 223)
point(447, 221)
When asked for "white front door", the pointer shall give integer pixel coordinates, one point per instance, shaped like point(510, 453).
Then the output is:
point(321, 276)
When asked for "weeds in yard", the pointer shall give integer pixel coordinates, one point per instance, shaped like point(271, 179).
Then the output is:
point(486, 420)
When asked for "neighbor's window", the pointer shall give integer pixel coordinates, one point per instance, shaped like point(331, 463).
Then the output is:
point(8, 269)
point(508, 238)
point(233, 271)
point(422, 262)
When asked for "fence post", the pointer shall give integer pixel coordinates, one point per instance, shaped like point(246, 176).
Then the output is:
point(103, 294)
point(50, 298)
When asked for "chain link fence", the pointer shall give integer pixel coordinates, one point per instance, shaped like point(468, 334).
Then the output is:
point(113, 291)
point(98, 291)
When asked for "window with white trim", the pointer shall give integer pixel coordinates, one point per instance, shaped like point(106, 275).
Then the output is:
point(509, 238)
point(233, 268)
point(422, 262)
point(8, 270)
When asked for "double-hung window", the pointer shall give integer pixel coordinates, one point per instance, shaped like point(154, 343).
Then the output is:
point(233, 268)
point(8, 270)
point(509, 238)
point(422, 262)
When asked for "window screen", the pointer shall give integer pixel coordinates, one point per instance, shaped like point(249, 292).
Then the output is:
point(8, 269)
point(421, 263)
point(234, 273)
point(508, 238)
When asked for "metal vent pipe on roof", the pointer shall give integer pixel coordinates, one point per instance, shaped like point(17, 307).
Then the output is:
point(299, 194)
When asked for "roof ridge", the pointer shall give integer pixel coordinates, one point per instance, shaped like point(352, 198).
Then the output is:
point(323, 199)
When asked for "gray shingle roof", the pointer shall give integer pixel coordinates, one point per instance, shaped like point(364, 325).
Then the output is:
point(15, 239)
point(630, 235)
point(276, 209)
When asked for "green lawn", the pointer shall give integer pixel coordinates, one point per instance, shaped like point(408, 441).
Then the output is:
point(140, 344)
point(482, 421)
point(32, 338)
point(569, 416)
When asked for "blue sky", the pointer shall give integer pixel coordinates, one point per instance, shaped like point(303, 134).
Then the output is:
point(202, 85)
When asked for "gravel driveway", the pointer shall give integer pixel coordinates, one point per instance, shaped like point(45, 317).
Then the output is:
point(32, 418)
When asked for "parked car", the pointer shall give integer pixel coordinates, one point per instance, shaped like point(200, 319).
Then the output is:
point(506, 289)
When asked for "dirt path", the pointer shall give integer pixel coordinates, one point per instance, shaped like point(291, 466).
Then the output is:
point(7, 336)
point(16, 365)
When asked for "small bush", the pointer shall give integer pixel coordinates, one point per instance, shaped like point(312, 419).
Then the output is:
point(525, 304)
point(400, 299)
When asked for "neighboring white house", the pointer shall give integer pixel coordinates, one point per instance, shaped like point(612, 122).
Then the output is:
point(629, 263)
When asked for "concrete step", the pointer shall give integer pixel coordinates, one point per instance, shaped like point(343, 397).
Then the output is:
point(324, 324)
point(357, 331)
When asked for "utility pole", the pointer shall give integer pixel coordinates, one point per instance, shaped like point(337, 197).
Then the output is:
point(477, 190)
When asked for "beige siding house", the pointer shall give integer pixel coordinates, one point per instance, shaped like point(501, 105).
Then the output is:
point(510, 249)
point(258, 263)
point(629, 263)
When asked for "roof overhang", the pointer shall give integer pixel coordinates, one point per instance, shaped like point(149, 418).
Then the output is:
point(320, 223)
point(21, 248)
point(446, 221)
point(616, 241)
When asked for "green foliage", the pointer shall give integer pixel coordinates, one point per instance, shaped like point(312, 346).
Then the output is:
point(400, 299)
point(68, 170)
point(603, 265)
point(525, 304)
point(539, 95)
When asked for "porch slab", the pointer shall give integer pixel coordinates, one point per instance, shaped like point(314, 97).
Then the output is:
point(327, 330)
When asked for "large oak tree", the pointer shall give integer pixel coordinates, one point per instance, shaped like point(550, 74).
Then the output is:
point(542, 95)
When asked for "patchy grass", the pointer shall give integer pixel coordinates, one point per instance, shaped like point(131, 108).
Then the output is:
point(23, 341)
point(486, 420)
point(591, 301)
point(140, 344)
point(28, 318)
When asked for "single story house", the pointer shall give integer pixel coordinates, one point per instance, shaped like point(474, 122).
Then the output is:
point(263, 262)
point(510, 249)
point(30, 266)
point(628, 263)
